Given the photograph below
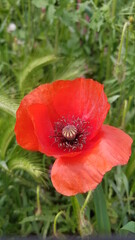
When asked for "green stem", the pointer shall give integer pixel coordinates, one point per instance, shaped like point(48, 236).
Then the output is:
point(38, 201)
point(29, 22)
point(76, 209)
point(85, 202)
point(124, 113)
point(96, 2)
point(56, 38)
point(127, 41)
point(126, 25)
point(108, 68)
point(114, 3)
point(122, 40)
point(79, 215)
point(56, 47)
point(55, 222)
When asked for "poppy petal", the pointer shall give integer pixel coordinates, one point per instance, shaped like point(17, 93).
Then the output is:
point(43, 129)
point(84, 172)
point(83, 98)
point(24, 128)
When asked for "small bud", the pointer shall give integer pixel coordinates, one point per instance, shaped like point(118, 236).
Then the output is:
point(131, 19)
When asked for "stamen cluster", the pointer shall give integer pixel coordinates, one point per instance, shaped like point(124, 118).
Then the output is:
point(63, 127)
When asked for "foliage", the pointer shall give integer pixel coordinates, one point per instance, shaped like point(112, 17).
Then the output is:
point(63, 40)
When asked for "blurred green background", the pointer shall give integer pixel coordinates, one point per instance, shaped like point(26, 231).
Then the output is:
point(41, 41)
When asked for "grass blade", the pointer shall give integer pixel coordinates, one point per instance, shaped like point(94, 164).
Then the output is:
point(101, 211)
point(36, 63)
point(8, 105)
point(32, 167)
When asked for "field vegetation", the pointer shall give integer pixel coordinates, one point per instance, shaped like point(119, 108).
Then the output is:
point(42, 41)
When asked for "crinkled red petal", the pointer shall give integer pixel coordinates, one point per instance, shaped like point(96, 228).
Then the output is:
point(83, 98)
point(43, 129)
point(84, 172)
point(24, 130)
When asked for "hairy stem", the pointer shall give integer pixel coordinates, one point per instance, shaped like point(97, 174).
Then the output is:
point(85, 202)
point(38, 212)
point(76, 210)
point(83, 226)
point(55, 222)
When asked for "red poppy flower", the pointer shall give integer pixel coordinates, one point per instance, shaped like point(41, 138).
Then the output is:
point(65, 119)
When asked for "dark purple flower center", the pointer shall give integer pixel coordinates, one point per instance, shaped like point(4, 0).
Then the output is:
point(70, 135)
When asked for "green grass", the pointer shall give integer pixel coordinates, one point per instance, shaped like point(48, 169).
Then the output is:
point(59, 43)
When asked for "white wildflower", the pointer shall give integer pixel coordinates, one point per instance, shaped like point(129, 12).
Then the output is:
point(11, 27)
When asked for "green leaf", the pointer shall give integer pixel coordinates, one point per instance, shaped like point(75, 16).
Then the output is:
point(103, 222)
point(50, 13)
point(40, 3)
point(8, 105)
point(113, 98)
point(130, 227)
point(36, 63)
point(38, 218)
